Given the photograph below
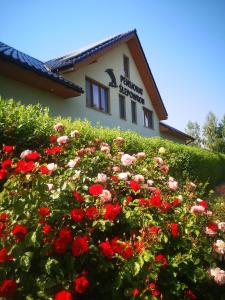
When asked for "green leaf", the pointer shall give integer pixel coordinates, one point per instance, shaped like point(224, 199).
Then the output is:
point(136, 268)
point(25, 261)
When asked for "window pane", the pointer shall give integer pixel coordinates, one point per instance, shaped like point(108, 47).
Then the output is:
point(88, 92)
point(103, 100)
point(122, 107)
point(96, 100)
point(126, 66)
point(133, 112)
point(148, 118)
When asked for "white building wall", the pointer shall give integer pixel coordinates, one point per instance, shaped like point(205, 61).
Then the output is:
point(114, 59)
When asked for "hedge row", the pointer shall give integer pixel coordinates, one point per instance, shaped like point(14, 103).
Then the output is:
point(29, 126)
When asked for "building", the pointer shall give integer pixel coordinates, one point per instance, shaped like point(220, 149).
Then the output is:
point(109, 83)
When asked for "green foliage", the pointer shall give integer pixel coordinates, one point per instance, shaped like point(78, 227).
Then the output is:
point(28, 126)
point(24, 126)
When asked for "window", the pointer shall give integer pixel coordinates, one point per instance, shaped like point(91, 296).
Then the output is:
point(133, 112)
point(97, 96)
point(126, 66)
point(148, 118)
point(122, 107)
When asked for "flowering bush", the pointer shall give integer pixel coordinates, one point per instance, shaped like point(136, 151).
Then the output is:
point(88, 221)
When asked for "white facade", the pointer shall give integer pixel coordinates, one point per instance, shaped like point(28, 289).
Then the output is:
point(77, 107)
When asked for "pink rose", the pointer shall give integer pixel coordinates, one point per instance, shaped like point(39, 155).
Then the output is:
point(119, 140)
point(172, 184)
point(25, 153)
point(197, 209)
point(138, 178)
point(158, 160)
point(219, 247)
point(62, 140)
point(150, 182)
point(116, 169)
point(140, 155)
point(123, 175)
point(218, 275)
point(127, 159)
point(106, 195)
point(58, 127)
point(221, 226)
point(75, 133)
point(101, 177)
point(52, 167)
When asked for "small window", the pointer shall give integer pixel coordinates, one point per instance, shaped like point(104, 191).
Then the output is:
point(133, 112)
point(122, 107)
point(126, 66)
point(148, 118)
point(97, 96)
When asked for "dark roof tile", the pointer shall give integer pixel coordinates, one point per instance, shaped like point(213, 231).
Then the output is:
point(30, 63)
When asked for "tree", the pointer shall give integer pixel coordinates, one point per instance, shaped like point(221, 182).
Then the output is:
point(193, 129)
point(211, 132)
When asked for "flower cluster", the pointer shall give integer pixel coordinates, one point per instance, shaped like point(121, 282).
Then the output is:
point(76, 215)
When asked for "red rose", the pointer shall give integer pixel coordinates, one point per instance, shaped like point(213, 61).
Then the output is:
point(162, 259)
point(153, 229)
point(4, 257)
point(24, 166)
point(44, 211)
point(44, 170)
point(81, 284)
point(59, 246)
point(8, 148)
point(63, 295)
point(6, 163)
point(165, 205)
point(77, 214)
point(3, 216)
point(212, 226)
point(80, 245)
point(95, 189)
point(8, 288)
point(65, 234)
point(152, 286)
point(52, 138)
point(92, 213)
point(33, 155)
point(175, 201)
point(144, 202)
point(203, 203)
point(174, 229)
point(155, 293)
point(2, 174)
point(189, 294)
point(46, 228)
point(106, 249)
point(127, 251)
point(53, 150)
point(129, 199)
point(139, 246)
point(135, 185)
point(112, 210)
point(78, 196)
point(19, 231)
point(135, 292)
point(156, 200)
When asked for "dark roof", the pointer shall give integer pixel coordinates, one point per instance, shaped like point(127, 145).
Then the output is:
point(68, 60)
point(176, 132)
point(30, 63)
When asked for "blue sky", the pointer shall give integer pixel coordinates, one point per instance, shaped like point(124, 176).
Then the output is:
point(184, 42)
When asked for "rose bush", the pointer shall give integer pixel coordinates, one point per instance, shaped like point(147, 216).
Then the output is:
point(84, 220)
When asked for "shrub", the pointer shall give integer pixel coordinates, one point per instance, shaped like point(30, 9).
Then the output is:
point(29, 126)
point(81, 220)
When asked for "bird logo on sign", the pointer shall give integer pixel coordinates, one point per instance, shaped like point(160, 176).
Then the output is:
point(111, 74)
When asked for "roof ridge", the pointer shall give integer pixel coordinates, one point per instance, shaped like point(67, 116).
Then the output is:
point(88, 47)
point(82, 50)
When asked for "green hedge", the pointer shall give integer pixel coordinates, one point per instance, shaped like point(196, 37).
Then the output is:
point(29, 126)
